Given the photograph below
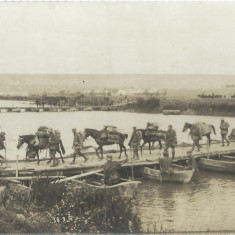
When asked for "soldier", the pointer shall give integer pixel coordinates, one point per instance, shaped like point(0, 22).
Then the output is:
point(2, 140)
point(2, 144)
point(111, 176)
point(147, 128)
point(166, 163)
point(54, 142)
point(78, 140)
point(171, 140)
point(191, 162)
point(196, 136)
point(105, 133)
point(224, 131)
point(134, 143)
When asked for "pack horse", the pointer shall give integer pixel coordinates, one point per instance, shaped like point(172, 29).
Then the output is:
point(108, 136)
point(36, 143)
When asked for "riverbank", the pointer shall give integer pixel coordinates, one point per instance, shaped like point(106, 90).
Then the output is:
point(154, 105)
point(206, 107)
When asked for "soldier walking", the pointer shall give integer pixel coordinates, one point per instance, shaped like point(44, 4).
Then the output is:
point(2, 143)
point(54, 141)
point(134, 143)
point(78, 140)
point(196, 136)
point(171, 140)
point(224, 131)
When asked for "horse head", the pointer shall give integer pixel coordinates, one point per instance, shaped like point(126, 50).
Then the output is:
point(186, 126)
point(86, 133)
point(90, 132)
point(20, 141)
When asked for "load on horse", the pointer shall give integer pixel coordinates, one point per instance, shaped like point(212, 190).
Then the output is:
point(38, 142)
point(110, 134)
point(55, 145)
point(43, 137)
point(152, 134)
point(232, 135)
point(105, 137)
point(204, 129)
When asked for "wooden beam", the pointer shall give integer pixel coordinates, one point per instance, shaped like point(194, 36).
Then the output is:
point(34, 177)
point(79, 176)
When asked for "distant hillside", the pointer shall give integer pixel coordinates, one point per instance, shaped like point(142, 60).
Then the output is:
point(177, 85)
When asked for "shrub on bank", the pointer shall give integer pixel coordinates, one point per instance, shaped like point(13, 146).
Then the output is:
point(86, 211)
point(221, 107)
point(145, 105)
point(53, 208)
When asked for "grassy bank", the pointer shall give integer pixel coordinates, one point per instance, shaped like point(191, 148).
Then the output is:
point(209, 107)
point(55, 208)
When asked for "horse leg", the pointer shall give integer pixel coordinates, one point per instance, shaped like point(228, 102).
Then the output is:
point(125, 151)
point(120, 146)
point(101, 150)
point(150, 147)
point(38, 157)
point(97, 154)
point(50, 158)
point(209, 139)
point(160, 144)
point(141, 147)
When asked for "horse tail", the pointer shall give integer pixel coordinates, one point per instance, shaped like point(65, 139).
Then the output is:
point(62, 146)
point(125, 136)
point(213, 129)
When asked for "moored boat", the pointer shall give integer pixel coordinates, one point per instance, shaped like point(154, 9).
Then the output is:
point(125, 188)
point(179, 175)
point(224, 164)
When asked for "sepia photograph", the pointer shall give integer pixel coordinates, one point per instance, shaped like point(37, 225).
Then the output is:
point(117, 117)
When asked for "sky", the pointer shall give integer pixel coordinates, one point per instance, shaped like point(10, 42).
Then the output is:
point(117, 38)
point(157, 38)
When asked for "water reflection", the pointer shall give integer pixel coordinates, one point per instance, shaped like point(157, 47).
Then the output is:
point(204, 204)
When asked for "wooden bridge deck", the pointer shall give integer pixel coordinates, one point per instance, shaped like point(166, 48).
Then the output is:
point(32, 168)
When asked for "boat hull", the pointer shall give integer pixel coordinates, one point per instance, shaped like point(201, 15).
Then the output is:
point(125, 189)
point(183, 176)
point(217, 165)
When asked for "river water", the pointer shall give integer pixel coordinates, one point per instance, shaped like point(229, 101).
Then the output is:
point(206, 203)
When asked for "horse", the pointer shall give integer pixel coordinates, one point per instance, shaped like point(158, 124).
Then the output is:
point(160, 136)
point(32, 148)
point(207, 133)
point(97, 136)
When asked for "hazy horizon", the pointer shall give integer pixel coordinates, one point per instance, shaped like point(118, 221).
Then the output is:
point(33, 83)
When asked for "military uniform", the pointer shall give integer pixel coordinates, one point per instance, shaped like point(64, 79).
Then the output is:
point(224, 131)
point(196, 136)
point(171, 141)
point(78, 140)
point(111, 176)
point(2, 140)
point(166, 165)
point(134, 143)
point(54, 144)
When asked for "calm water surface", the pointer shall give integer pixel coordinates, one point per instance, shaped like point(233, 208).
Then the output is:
point(207, 203)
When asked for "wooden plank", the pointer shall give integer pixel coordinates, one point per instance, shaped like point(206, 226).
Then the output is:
point(34, 177)
point(120, 178)
point(79, 176)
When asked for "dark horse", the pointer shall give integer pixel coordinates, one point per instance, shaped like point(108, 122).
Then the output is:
point(160, 136)
point(34, 149)
point(96, 135)
point(207, 132)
